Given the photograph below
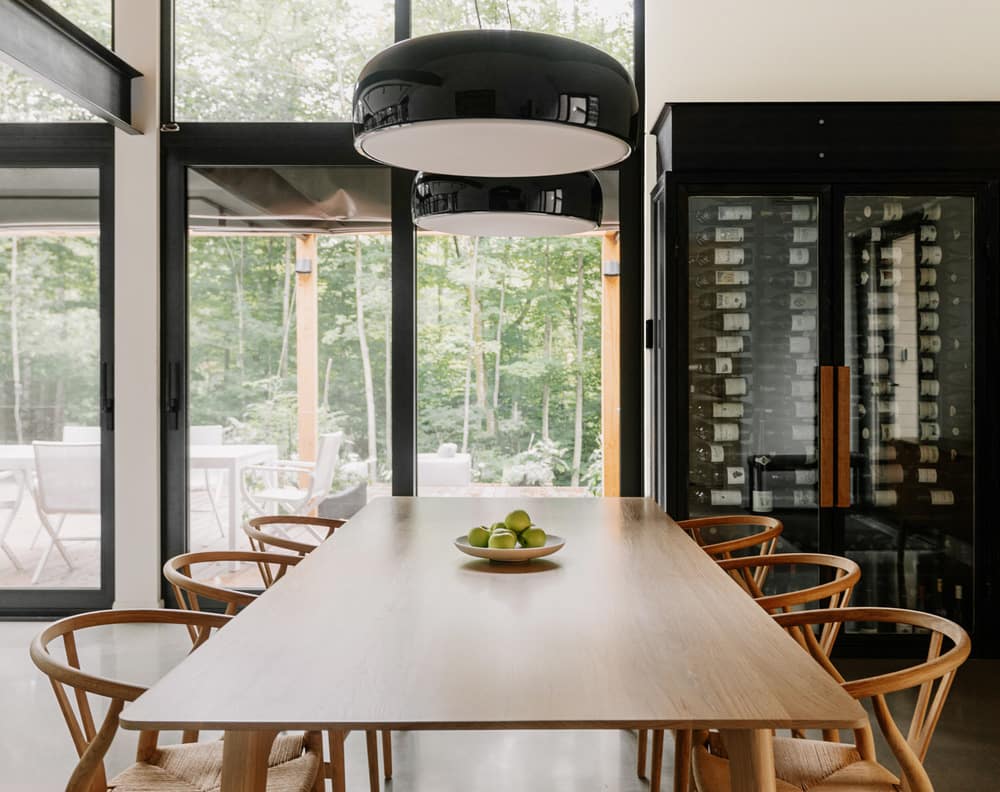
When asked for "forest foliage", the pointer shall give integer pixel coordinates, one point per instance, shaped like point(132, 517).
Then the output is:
point(508, 330)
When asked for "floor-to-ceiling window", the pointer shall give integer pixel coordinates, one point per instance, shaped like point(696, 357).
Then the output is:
point(55, 367)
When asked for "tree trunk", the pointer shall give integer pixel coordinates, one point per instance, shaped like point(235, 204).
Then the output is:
point(499, 337)
point(466, 412)
point(241, 311)
point(547, 351)
point(15, 351)
point(578, 418)
point(478, 352)
point(366, 362)
point(326, 384)
point(287, 312)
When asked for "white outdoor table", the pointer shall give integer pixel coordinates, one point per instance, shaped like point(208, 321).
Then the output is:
point(387, 626)
point(233, 459)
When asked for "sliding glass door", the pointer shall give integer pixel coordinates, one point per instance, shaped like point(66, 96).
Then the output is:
point(56, 383)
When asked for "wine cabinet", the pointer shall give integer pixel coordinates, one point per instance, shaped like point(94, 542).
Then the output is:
point(823, 332)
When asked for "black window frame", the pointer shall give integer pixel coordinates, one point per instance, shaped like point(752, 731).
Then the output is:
point(76, 145)
point(193, 144)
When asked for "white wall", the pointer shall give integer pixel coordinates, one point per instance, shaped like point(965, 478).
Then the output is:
point(137, 317)
point(804, 50)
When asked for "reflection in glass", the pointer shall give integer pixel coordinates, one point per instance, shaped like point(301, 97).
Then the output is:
point(908, 314)
point(50, 452)
point(289, 343)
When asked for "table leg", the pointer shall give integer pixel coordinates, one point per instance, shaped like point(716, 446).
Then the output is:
point(751, 759)
point(335, 739)
point(244, 760)
point(234, 503)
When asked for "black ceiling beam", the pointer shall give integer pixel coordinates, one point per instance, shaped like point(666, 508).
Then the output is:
point(43, 44)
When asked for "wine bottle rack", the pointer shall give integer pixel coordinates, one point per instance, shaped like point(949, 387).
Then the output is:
point(909, 260)
point(753, 293)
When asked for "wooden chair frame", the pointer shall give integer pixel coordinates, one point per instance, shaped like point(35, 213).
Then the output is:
point(263, 541)
point(766, 539)
point(92, 742)
point(189, 591)
point(747, 572)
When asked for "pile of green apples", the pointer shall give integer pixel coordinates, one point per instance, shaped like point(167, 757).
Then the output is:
point(516, 529)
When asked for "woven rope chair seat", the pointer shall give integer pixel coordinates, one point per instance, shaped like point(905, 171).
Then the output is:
point(197, 767)
point(799, 766)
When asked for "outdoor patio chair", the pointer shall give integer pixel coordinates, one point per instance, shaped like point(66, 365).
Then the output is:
point(204, 480)
point(10, 508)
point(280, 496)
point(67, 481)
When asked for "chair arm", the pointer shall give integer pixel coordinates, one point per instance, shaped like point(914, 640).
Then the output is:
point(288, 466)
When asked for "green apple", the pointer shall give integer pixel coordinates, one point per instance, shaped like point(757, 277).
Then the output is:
point(503, 540)
point(479, 536)
point(517, 521)
point(533, 537)
point(499, 526)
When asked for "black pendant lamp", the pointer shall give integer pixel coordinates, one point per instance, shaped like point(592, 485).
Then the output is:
point(527, 207)
point(496, 103)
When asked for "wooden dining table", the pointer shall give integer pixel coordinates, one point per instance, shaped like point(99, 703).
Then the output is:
point(388, 626)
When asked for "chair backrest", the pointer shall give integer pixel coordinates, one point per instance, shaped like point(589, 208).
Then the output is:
point(91, 742)
point(69, 477)
point(933, 677)
point(208, 434)
point(189, 591)
point(761, 540)
point(260, 531)
point(837, 578)
point(81, 434)
point(326, 464)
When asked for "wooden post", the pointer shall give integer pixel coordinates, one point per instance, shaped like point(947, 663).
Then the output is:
point(307, 342)
point(611, 362)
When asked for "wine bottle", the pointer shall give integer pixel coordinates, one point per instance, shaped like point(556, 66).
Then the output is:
point(926, 365)
point(936, 497)
point(730, 386)
point(887, 474)
point(928, 321)
point(888, 212)
point(928, 454)
point(927, 276)
point(726, 344)
point(795, 213)
point(928, 233)
point(930, 255)
point(722, 301)
point(792, 345)
point(931, 212)
point(720, 365)
point(889, 278)
point(794, 478)
point(875, 367)
point(927, 476)
point(723, 257)
point(882, 453)
point(930, 388)
point(891, 255)
point(717, 476)
point(722, 278)
point(794, 301)
point(790, 257)
point(716, 409)
point(796, 279)
point(873, 344)
point(885, 498)
point(799, 323)
point(927, 411)
point(789, 367)
point(928, 299)
point(794, 432)
point(930, 431)
point(724, 235)
point(725, 213)
point(715, 453)
point(929, 344)
point(726, 322)
point(717, 497)
point(718, 431)
point(799, 235)
point(793, 499)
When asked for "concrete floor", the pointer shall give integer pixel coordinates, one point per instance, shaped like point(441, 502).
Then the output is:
point(36, 752)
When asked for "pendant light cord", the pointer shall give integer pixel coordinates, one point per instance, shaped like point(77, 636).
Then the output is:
point(510, 19)
point(479, 18)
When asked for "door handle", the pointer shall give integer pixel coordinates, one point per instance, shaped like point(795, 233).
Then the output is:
point(107, 395)
point(843, 436)
point(172, 394)
point(827, 440)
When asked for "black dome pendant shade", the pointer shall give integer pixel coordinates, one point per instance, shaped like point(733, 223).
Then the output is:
point(495, 103)
point(527, 207)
